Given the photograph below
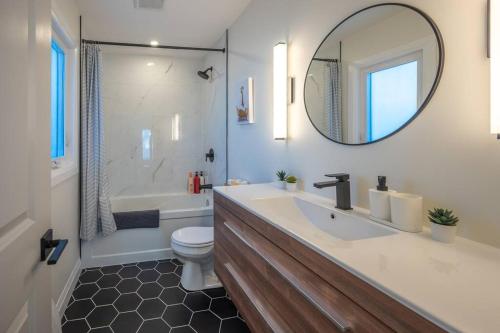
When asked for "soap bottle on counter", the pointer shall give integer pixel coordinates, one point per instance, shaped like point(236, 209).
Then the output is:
point(190, 183)
point(196, 182)
point(380, 200)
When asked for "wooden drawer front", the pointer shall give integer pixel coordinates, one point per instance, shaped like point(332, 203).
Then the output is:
point(304, 300)
point(389, 311)
point(260, 316)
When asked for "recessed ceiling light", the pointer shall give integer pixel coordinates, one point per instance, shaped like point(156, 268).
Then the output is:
point(150, 64)
point(154, 43)
point(148, 4)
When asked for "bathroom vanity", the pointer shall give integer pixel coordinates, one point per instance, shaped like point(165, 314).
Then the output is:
point(293, 263)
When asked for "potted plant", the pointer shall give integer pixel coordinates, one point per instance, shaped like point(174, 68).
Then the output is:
point(291, 183)
point(281, 182)
point(443, 224)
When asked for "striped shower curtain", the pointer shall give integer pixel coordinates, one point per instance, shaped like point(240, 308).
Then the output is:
point(96, 217)
point(333, 100)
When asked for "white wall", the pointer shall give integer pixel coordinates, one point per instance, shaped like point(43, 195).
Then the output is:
point(139, 97)
point(446, 154)
point(64, 196)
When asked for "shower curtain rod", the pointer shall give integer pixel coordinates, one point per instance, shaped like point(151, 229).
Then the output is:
point(154, 47)
point(325, 59)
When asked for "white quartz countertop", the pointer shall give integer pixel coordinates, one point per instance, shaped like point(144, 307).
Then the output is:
point(456, 286)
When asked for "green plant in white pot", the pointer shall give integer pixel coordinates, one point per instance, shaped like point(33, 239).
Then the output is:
point(281, 182)
point(443, 224)
point(291, 183)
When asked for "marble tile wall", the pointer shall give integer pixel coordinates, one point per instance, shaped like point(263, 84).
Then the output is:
point(142, 94)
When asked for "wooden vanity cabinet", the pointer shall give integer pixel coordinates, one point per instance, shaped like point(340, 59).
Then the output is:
point(280, 285)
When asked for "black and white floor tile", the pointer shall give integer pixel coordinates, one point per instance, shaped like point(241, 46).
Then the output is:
point(147, 297)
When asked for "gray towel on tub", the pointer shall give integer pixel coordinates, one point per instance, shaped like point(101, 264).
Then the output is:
point(138, 219)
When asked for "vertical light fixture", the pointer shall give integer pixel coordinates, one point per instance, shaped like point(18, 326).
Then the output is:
point(280, 94)
point(494, 54)
point(175, 127)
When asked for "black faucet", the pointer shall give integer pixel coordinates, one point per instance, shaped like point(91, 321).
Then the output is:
point(343, 187)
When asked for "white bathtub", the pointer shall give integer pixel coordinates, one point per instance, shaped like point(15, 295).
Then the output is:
point(124, 246)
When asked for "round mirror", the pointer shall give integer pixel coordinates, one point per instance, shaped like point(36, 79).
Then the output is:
point(373, 74)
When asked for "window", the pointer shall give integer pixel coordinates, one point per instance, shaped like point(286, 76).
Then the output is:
point(390, 94)
point(57, 101)
point(64, 104)
point(392, 98)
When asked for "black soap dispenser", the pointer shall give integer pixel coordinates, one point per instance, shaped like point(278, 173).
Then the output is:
point(380, 201)
point(382, 184)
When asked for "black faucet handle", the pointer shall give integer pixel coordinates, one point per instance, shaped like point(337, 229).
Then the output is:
point(340, 176)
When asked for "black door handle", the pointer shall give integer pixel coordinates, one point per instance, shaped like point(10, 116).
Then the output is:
point(47, 243)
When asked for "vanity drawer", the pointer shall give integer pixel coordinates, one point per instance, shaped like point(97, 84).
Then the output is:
point(301, 298)
point(369, 300)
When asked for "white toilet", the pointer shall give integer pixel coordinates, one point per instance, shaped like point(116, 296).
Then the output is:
point(194, 247)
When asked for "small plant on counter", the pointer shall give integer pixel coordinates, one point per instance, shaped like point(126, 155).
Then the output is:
point(444, 224)
point(291, 180)
point(281, 174)
point(443, 217)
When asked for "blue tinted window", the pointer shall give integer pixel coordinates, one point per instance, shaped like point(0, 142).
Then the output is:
point(57, 102)
point(392, 99)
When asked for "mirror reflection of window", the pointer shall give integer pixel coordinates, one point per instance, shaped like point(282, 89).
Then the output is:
point(146, 145)
point(391, 98)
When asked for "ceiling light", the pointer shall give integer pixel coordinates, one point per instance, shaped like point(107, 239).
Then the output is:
point(148, 4)
point(150, 64)
point(154, 43)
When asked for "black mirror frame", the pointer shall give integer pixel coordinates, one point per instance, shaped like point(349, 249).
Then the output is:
point(437, 78)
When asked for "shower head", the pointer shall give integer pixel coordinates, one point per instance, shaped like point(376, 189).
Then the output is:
point(204, 75)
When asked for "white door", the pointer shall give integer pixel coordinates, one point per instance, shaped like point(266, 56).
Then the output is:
point(25, 30)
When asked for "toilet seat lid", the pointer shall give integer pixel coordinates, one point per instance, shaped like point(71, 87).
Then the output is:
point(194, 236)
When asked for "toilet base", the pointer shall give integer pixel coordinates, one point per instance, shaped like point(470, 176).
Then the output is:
point(194, 277)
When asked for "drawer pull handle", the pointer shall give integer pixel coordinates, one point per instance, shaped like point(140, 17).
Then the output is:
point(252, 297)
point(339, 323)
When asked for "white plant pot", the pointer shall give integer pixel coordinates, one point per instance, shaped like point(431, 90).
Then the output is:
point(443, 233)
point(291, 187)
point(279, 184)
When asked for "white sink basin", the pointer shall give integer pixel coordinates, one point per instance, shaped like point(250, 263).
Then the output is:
point(343, 225)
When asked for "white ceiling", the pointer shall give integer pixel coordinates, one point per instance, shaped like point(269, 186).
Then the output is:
point(180, 22)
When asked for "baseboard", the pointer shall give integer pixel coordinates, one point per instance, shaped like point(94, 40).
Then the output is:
point(62, 301)
point(126, 257)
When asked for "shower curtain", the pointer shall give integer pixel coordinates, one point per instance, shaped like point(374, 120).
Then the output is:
point(96, 217)
point(333, 100)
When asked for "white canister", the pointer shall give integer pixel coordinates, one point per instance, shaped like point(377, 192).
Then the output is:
point(380, 204)
point(407, 211)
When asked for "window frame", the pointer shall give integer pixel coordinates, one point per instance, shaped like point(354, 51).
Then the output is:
point(67, 166)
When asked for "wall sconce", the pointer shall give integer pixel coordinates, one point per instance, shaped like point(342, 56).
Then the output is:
point(175, 127)
point(280, 93)
point(494, 55)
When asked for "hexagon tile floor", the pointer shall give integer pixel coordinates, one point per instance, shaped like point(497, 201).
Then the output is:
point(147, 297)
